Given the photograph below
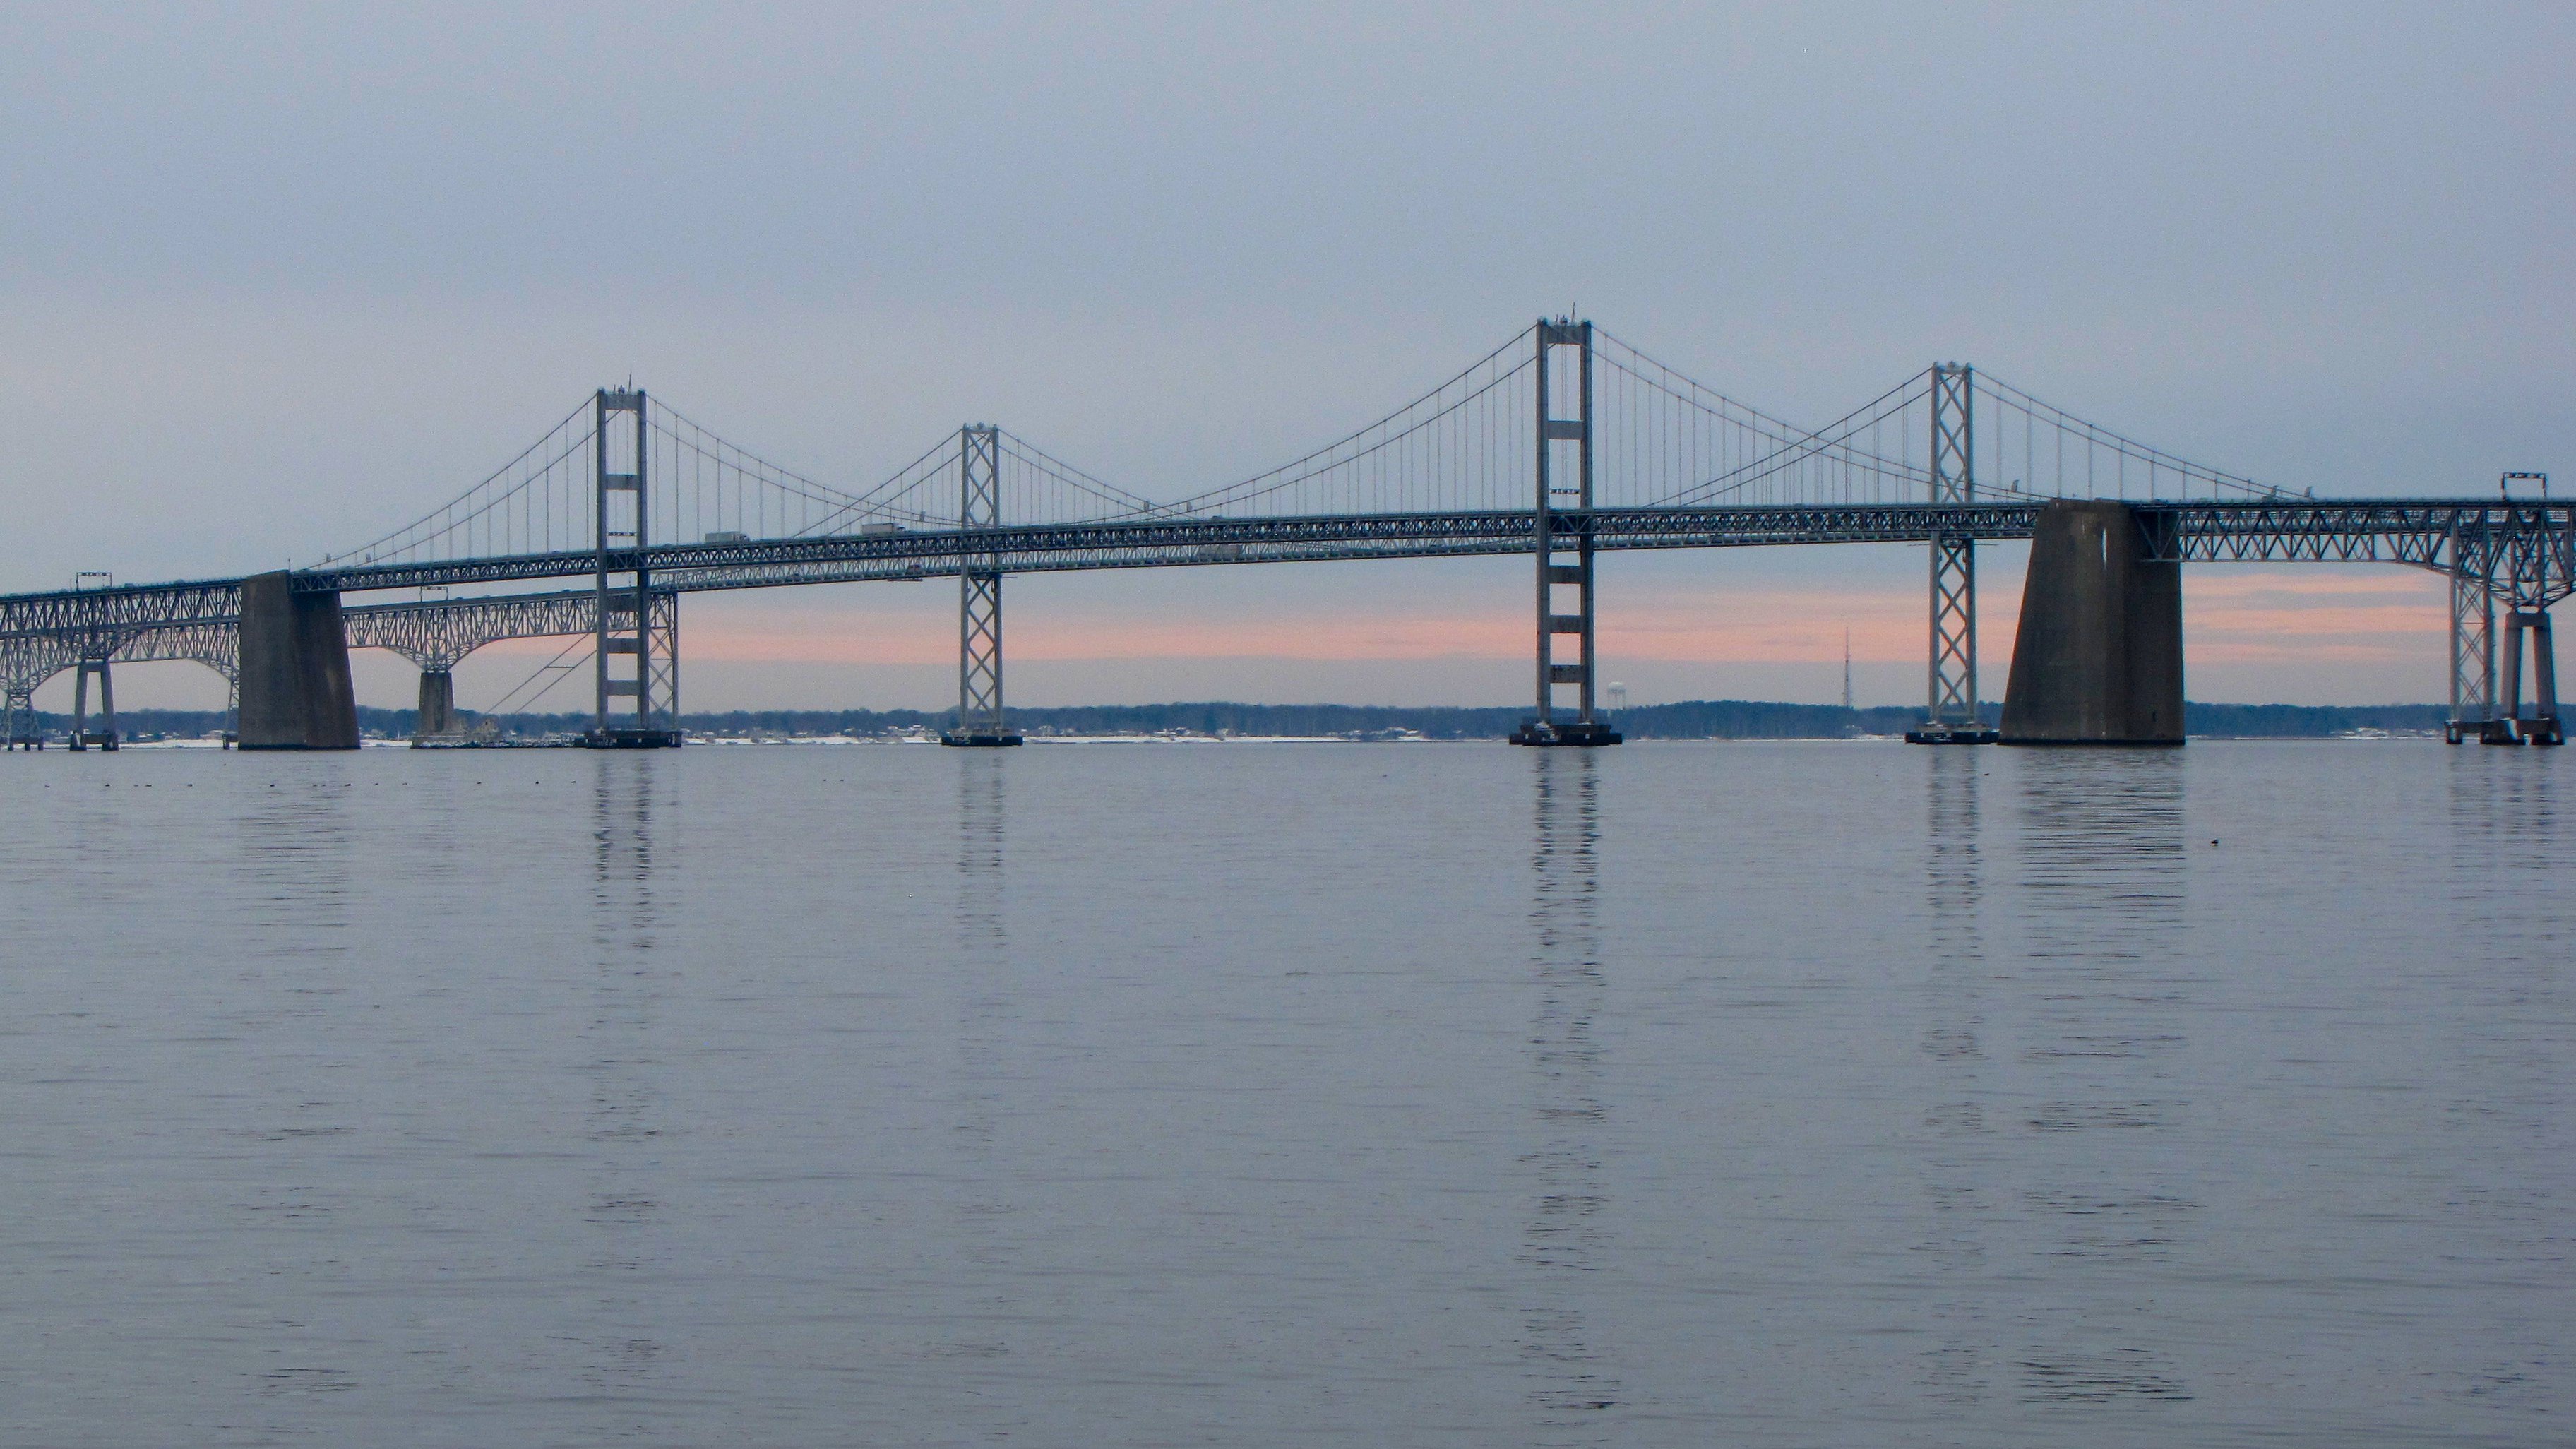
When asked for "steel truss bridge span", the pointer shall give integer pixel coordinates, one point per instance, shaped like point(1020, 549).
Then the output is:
point(2433, 534)
point(195, 621)
point(2424, 533)
point(43, 634)
point(201, 623)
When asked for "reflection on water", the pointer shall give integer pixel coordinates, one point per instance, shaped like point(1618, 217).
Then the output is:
point(1564, 1237)
point(2507, 929)
point(296, 836)
point(1743, 1094)
point(623, 1350)
point(981, 1079)
point(2504, 833)
point(2101, 856)
point(1958, 1167)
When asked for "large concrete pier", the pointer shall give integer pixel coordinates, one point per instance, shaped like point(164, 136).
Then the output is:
point(2098, 660)
point(437, 704)
point(295, 688)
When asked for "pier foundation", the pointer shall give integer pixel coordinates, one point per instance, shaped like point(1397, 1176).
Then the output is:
point(437, 705)
point(104, 737)
point(2098, 660)
point(2542, 726)
point(295, 688)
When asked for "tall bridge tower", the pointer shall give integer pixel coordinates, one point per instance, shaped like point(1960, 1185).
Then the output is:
point(623, 587)
point(1950, 711)
point(1561, 535)
point(96, 649)
point(979, 595)
point(2529, 590)
point(2510, 554)
point(2473, 643)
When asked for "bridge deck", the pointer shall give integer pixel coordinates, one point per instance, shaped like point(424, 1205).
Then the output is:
point(2408, 531)
point(2354, 530)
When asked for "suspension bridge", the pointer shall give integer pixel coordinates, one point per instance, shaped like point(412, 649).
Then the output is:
point(1562, 444)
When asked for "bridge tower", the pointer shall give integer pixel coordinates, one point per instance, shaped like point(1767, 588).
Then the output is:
point(2473, 641)
point(1950, 715)
point(20, 708)
point(2541, 726)
point(2528, 578)
point(95, 651)
point(979, 595)
point(1561, 538)
point(623, 586)
point(83, 737)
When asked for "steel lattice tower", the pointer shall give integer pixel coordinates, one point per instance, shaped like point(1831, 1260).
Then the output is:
point(2473, 642)
point(1950, 714)
point(979, 594)
point(21, 711)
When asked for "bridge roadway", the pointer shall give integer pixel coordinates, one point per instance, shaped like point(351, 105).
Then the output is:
point(2411, 531)
point(2427, 533)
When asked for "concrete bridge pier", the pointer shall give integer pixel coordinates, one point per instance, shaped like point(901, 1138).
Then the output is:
point(295, 689)
point(437, 705)
point(2098, 660)
point(2543, 727)
point(83, 737)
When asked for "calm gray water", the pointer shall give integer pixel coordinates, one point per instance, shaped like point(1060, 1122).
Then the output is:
point(1799, 1094)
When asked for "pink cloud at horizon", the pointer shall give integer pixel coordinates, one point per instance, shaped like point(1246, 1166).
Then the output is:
point(2304, 634)
point(2229, 615)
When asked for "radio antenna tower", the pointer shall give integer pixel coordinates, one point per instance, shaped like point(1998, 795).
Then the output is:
point(1847, 698)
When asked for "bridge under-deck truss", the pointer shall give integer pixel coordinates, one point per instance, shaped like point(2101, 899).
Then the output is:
point(145, 625)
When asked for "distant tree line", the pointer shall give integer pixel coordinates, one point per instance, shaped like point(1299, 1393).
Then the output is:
point(1730, 719)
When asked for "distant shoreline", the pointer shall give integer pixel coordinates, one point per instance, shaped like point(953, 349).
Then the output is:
point(1688, 720)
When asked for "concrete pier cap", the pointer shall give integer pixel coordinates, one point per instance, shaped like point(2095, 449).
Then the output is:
point(2098, 659)
point(295, 688)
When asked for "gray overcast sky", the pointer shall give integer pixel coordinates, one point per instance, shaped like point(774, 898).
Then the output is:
point(275, 278)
